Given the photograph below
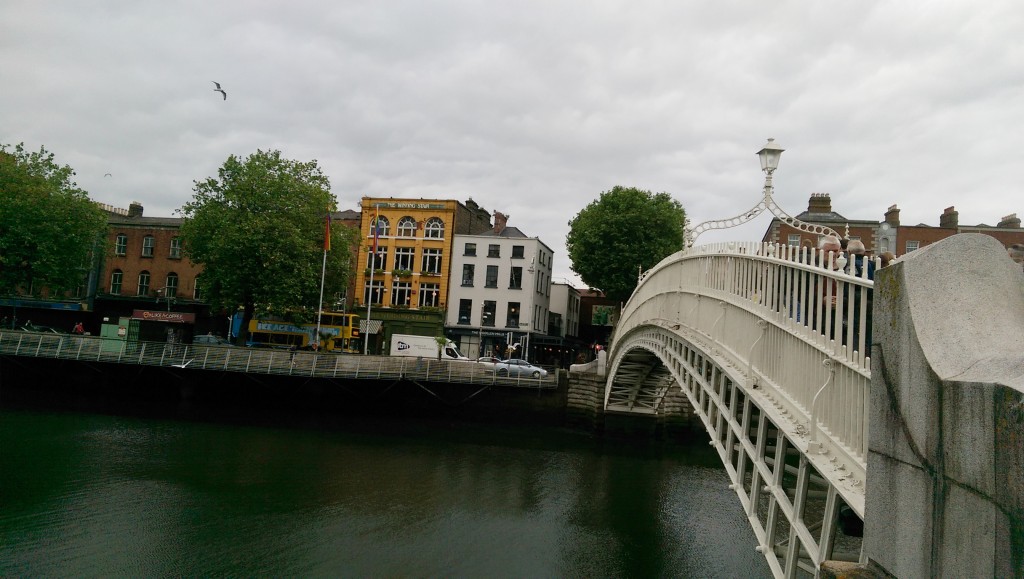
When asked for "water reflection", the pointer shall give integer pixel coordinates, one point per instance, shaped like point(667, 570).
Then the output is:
point(102, 495)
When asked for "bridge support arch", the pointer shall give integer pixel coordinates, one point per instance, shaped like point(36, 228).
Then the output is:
point(798, 517)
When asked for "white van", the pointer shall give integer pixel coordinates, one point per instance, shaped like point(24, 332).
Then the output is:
point(423, 347)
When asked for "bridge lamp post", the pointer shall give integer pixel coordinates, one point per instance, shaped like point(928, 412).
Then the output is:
point(769, 155)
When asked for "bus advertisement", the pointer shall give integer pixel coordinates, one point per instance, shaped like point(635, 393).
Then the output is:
point(339, 332)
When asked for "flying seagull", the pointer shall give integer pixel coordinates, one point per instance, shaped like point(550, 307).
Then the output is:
point(220, 90)
point(107, 175)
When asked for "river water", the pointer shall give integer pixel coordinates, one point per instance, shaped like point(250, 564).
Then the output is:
point(87, 494)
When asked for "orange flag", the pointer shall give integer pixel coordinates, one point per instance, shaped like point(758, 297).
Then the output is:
point(327, 233)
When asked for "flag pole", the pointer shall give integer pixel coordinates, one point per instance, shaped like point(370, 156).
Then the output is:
point(320, 312)
point(369, 292)
point(323, 274)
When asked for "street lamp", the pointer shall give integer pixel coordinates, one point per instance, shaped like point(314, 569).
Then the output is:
point(483, 315)
point(769, 155)
point(167, 297)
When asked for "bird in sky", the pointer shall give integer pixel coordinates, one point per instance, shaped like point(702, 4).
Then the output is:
point(220, 90)
point(107, 175)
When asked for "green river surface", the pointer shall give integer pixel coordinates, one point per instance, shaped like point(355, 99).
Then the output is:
point(85, 494)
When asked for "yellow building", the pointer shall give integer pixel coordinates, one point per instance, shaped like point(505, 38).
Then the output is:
point(405, 283)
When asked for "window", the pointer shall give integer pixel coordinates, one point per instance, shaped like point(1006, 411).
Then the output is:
point(515, 280)
point(401, 293)
point(487, 315)
point(115, 282)
point(121, 244)
point(913, 246)
point(794, 239)
point(431, 261)
point(378, 261)
point(405, 257)
point(468, 271)
point(465, 311)
point(147, 246)
point(383, 226)
point(434, 229)
point(512, 316)
point(493, 250)
point(517, 252)
point(492, 276)
point(885, 245)
point(374, 294)
point(171, 287)
point(430, 295)
point(175, 248)
point(197, 293)
point(144, 283)
point(407, 227)
point(470, 250)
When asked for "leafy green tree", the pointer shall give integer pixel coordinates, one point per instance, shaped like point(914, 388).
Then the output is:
point(625, 229)
point(257, 229)
point(49, 228)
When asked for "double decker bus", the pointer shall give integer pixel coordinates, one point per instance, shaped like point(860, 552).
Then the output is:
point(339, 332)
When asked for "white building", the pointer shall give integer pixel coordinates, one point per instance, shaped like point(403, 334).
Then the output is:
point(499, 291)
point(565, 310)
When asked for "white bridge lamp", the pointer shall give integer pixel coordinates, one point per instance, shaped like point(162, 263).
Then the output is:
point(769, 155)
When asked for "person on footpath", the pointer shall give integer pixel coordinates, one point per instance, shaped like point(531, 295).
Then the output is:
point(861, 262)
point(1016, 253)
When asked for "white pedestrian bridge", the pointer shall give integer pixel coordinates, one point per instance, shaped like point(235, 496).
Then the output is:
point(769, 343)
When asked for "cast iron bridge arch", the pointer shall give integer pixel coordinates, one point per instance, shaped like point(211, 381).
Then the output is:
point(776, 373)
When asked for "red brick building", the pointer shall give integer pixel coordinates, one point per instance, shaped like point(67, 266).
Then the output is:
point(145, 275)
point(819, 212)
point(888, 234)
point(146, 259)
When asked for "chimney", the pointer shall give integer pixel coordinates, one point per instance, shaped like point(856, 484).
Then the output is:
point(892, 216)
point(949, 218)
point(819, 203)
point(500, 221)
point(135, 209)
point(1010, 221)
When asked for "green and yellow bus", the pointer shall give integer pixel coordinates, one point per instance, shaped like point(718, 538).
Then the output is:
point(339, 332)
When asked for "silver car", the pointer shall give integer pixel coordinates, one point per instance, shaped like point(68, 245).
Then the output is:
point(519, 368)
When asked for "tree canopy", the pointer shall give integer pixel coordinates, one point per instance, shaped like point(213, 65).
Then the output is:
point(49, 228)
point(625, 229)
point(257, 229)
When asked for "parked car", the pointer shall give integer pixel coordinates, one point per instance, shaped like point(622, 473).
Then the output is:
point(488, 362)
point(210, 340)
point(521, 368)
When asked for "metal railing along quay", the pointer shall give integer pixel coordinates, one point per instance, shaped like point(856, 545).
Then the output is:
point(257, 360)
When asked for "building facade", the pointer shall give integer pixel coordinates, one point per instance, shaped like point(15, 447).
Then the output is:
point(146, 277)
point(562, 346)
point(887, 235)
point(403, 270)
point(500, 294)
point(819, 212)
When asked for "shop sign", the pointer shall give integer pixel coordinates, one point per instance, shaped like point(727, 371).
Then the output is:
point(168, 317)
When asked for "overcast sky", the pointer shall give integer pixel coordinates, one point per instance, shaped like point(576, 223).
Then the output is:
point(534, 108)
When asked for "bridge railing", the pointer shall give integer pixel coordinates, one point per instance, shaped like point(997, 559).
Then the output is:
point(797, 322)
point(257, 360)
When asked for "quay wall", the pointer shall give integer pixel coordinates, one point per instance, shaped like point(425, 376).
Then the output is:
point(575, 400)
